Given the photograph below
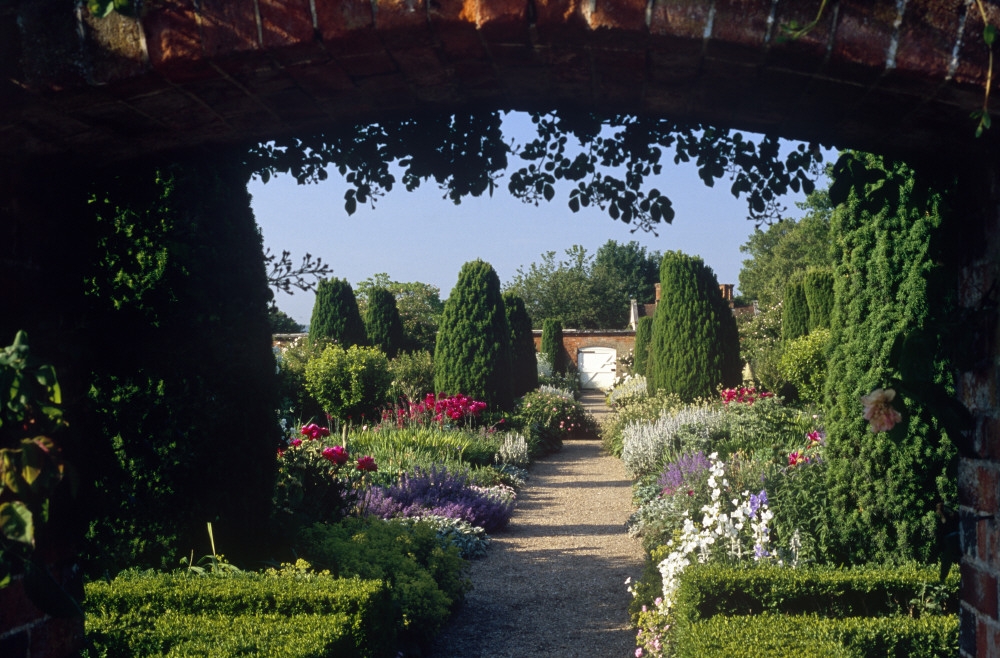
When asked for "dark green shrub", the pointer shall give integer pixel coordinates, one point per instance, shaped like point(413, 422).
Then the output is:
point(426, 576)
point(708, 590)
point(643, 335)
point(818, 286)
point(522, 345)
point(552, 346)
point(473, 353)
point(289, 612)
point(794, 312)
point(889, 240)
point(695, 343)
point(351, 384)
point(335, 314)
point(177, 269)
point(382, 322)
point(782, 636)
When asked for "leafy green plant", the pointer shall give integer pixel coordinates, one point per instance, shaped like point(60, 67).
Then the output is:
point(412, 375)
point(351, 384)
point(425, 574)
point(804, 364)
point(31, 470)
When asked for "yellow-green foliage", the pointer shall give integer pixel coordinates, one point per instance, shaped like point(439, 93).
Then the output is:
point(804, 363)
point(287, 613)
point(426, 576)
point(351, 384)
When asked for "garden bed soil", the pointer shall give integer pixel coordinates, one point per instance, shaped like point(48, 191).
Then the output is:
point(553, 583)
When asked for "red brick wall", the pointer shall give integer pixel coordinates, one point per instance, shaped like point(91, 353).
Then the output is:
point(979, 467)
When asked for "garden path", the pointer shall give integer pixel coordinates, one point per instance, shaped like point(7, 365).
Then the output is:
point(553, 583)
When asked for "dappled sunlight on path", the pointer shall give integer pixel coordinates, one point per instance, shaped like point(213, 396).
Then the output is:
point(553, 584)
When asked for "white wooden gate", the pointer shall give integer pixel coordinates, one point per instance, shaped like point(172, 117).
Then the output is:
point(596, 367)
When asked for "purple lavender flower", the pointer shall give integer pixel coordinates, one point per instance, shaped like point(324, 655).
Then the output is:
point(760, 552)
point(680, 475)
point(757, 501)
point(441, 493)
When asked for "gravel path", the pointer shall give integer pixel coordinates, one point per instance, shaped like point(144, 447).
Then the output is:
point(553, 583)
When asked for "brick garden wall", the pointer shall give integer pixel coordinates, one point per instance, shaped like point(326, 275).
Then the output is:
point(621, 340)
point(978, 379)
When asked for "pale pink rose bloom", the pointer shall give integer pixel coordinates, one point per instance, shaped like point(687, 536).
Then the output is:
point(879, 412)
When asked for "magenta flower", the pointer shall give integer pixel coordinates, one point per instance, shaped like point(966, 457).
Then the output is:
point(335, 454)
point(295, 443)
point(879, 412)
point(367, 463)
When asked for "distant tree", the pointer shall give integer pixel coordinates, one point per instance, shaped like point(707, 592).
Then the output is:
point(522, 344)
point(573, 291)
point(473, 353)
point(382, 323)
point(552, 345)
point(637, 271)
point(281, 322)
point(785, 248)
point(695, 344)
point(794, 312)
point(335, 314)
point(643, 335)
point(419, 306)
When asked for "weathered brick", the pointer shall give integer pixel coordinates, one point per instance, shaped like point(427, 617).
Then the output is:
point(173, 37)
point(979, 590)
point(285, 23)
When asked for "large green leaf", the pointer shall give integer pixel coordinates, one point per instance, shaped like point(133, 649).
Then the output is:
point(16, 523)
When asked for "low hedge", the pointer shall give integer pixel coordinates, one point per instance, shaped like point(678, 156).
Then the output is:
point(707, 590)
point(220, 635)
point(173, 614)
point(812, 636)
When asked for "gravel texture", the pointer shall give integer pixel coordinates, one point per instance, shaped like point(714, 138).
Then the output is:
point(553, 583)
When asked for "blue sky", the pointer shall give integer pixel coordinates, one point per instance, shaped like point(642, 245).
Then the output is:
point(420, 236)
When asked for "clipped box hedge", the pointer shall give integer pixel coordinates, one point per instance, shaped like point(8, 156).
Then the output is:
point(812, 636)
point(708, 590)
point(240, 614)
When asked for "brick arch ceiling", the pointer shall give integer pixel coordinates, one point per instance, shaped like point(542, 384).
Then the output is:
point(890, 75)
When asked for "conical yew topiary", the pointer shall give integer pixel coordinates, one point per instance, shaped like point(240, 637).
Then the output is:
point(695, 344)
point(794, 312)
point(643, 335)
point(335, 314)
point(473, 354)
point(552, 345)
point(382, 322)
point(818, 287)
point(522, 345)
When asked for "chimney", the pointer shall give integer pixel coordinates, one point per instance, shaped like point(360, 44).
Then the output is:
point(657, 287)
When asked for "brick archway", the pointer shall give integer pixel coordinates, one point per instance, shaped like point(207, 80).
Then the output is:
point(882, 75)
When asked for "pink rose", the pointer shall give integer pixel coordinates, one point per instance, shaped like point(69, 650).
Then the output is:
point(367, 463)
